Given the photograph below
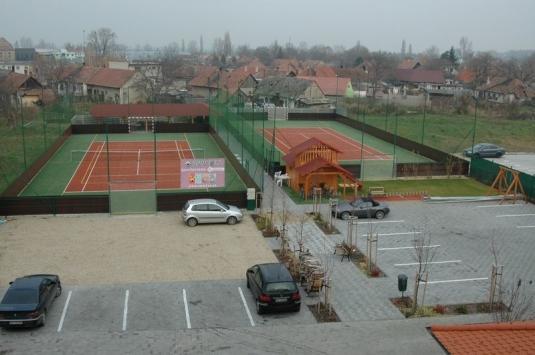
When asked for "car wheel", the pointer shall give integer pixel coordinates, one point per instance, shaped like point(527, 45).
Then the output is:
point(379, 215)
point(297, 308)
point(248, 284)
point(345, 215)
point(192, 222)
point(58, 292)
point(477, 155)
point(232, 220)
point(43, 319)
point(259, 309)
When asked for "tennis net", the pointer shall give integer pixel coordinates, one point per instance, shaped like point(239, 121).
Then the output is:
point(136, 154)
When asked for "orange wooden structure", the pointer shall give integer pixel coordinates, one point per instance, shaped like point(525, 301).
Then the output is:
point(314, 163)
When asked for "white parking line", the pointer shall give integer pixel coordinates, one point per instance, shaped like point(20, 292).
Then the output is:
point(490, 206)
point(62, 319)
point(400, 221)
point(125, 311)
point(525, 226)
point(246, 307)
point(432, 262)
point(458, 280)
point(188, 322)
point(399, 248)
point(515, 215)
point(388, 234)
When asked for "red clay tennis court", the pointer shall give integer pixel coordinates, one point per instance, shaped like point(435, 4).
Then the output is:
point(130, 165)
point(286, 138)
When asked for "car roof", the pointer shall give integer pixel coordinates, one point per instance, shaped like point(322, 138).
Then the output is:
point(203, 200)
point(275, 272)
point(27, 282)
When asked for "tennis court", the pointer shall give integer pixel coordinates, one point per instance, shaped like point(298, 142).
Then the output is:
point(95, 163)
point(129, 162)
point(350, 149)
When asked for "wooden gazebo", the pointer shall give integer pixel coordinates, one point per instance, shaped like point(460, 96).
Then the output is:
point(314, 163)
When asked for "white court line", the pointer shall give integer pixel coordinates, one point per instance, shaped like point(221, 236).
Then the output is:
point(93, 167)
point(125, 311)
point(399, 248)
point(138, 159)
point(515, 215)
point(246, 307)
point(458, 280)
point(432, 262)
point(525, 226)
point(387, 234)
point(188, 322)
point(60, 326)
point(400, 221)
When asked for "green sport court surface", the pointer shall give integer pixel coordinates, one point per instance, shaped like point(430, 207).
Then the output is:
point(373, 167)
point(54, 177)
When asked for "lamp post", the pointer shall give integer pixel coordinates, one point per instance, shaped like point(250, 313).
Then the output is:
point(336, 95)
point(473, 134)
point(423, 122)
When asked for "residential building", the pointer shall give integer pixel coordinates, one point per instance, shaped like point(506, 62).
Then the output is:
point(7, 52)
point(290, 92)
point(332, 87)
point(16, 89)
point(503, 90)
point(418, 79)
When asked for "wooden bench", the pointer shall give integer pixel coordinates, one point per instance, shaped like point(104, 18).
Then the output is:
point(376, 190)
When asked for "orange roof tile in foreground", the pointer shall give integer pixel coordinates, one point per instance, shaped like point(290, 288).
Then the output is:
point(487, 338)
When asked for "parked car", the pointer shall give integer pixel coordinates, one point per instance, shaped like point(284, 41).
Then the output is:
point(273, 288)
point(210, 211)
point(361, 208)
point(485, 150)
point(27, 300)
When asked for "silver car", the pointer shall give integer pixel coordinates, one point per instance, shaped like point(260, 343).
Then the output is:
point(210, 211)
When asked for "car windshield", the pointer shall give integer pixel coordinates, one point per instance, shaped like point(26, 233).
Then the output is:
point(20, 296)
point(281, 287)
point(186, 206)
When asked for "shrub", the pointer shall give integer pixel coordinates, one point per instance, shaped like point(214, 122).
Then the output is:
point(440, 309)
point(425, 311)
point(461, 309)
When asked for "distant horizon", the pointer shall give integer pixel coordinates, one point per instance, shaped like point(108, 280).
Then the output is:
point(490, 25)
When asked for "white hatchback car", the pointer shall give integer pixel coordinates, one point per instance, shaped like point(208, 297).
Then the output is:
point(210, 211)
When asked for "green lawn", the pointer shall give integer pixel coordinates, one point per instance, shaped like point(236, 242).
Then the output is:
point(453, 187)
point(434, 187)
point(452, 133)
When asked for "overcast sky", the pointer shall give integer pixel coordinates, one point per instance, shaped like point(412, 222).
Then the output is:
point(490, 24)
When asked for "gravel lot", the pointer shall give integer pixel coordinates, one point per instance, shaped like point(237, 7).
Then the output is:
point(99, 249)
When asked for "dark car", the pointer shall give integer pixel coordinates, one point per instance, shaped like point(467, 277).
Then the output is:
point(273, 288)
point(361, 208)
point(485, 150)
point(27, 300)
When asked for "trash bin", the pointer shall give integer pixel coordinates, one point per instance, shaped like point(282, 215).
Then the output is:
point(402, 282)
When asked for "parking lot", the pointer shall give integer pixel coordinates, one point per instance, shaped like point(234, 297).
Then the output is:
point(460, 236)
point(163, 306)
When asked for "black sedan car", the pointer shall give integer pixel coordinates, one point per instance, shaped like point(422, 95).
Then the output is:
point(361, 208)
point(485, 150)
point(27, 300)
point(273, 288)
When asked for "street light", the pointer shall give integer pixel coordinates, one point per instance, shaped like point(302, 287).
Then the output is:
point(423, 122)
point(473, 132)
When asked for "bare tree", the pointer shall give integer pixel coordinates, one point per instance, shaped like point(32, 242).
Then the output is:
point(465, 49)
point(193, 47)
point(102, 42)
point(484, 67)
point(382, 65)
point(423, 255)
point(514, 301)
point(227, 45)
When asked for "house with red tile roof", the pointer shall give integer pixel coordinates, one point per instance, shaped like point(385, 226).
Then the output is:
point(101, 84)
point(7, 52)
point(407, 79)
point(487, 338)
point(332, 86)
point(206, 82)
point(504, 90)
point(18, 88)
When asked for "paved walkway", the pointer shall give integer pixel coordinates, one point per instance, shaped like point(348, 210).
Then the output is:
point(355, 296)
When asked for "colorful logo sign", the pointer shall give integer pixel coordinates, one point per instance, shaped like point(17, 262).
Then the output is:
point(202, 173)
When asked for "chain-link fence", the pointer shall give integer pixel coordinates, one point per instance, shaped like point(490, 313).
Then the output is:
point(26, 133)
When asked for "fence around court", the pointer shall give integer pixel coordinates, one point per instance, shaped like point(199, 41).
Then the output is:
point(485, 171)
point(25, 135)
